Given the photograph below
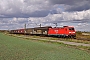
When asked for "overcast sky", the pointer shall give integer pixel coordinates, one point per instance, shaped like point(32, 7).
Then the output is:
point(15, 13)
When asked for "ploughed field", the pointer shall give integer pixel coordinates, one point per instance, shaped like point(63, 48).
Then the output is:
point(13, 48)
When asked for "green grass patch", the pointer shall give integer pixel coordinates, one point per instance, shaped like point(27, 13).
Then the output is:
point(13, 48)
point(48, 39)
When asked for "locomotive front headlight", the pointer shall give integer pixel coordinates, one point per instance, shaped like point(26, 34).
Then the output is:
point(69, 32)
point(73, 32)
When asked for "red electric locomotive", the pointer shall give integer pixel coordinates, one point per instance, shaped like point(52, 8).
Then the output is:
point(66, 31)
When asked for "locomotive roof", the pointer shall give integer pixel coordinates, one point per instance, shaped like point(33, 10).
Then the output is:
point(63, 27)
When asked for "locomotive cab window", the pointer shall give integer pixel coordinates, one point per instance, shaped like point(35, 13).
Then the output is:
point(71, 28)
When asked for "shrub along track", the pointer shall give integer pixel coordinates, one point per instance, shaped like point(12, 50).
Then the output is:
point(84, 39)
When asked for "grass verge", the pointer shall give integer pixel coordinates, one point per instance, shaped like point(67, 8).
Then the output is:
point(13, 48)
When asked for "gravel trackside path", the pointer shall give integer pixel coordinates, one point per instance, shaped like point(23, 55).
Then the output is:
point(73, 43)
point(69, 43)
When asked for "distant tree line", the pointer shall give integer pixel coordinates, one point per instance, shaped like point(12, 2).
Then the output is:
point(4, 31)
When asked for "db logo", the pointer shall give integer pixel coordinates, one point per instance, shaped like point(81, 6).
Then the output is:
point(56, 31)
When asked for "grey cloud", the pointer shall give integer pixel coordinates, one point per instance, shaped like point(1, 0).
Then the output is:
point(24, 8)
point(26, 15)
point(79, 7)
point(66, 2)
point(81, 21)
point(38, 8)
point(73, 5)
point(73, 17)
point(40, 13)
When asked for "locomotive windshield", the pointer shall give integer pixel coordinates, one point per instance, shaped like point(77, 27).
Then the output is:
point(71, 28)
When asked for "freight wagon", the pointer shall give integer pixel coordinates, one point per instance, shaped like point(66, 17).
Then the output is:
point(38, 30)
point(65, 31)
point(17, 31)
